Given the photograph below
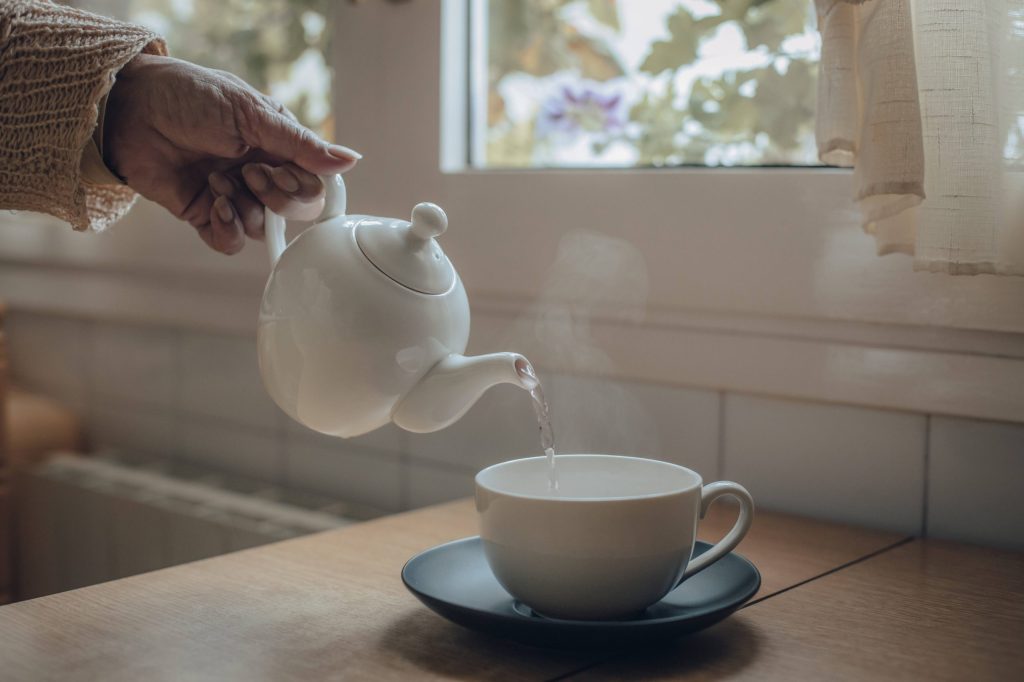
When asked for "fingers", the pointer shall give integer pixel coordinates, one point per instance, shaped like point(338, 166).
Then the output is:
point(265, 127)
point(247, 207)
point(225, 232)
point(286, 190)
point(215, 221)
point(277, 106)
point(220, 236)
point(250, 211)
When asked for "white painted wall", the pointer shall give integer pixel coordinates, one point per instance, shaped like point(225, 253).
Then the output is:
point(197, 397)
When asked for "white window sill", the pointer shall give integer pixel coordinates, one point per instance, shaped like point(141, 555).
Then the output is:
point(961, 372)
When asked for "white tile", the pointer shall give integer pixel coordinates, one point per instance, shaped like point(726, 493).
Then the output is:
point(192, 536)
point(38, 570)
point(388, 438)
point(588, 415)
point(500, 426)
point(220, 377)
point(50, 355)
point(135, 363)
point(430, 484)
point(139, 534)
point(678, 425)
point(236, 449)
point(976, 482)
point(240, 538)
point(85, 514)
point(345, 472)
point(122, 426)
point(834, 462)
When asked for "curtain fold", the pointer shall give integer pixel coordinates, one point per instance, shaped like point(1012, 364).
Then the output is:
point(925, 100)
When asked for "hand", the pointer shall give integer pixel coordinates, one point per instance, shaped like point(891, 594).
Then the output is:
point(212, 150)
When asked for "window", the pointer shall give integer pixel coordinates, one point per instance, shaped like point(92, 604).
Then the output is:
point(600, 83)
point(279, 46)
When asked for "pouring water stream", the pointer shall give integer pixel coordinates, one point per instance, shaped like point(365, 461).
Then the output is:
point(540, 408)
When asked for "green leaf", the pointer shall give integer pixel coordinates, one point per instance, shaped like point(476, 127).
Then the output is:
point(679, 50)
point(594, 60)
point(531, 37)
point(772, 22)
point(606, 12)
point(785, 102)
point(660, 122)
point(720, 108)
point(736, 10)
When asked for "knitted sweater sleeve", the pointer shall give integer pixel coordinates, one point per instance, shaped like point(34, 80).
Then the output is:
point(56, 64)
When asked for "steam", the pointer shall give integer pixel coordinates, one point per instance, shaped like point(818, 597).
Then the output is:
point(592, 275)
point(595, 280)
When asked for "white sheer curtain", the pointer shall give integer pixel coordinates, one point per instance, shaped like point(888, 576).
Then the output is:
point(925, 99)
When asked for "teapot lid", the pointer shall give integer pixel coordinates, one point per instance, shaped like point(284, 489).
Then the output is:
point(408, 252)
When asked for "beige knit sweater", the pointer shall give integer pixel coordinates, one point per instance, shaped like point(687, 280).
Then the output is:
point(56, 64)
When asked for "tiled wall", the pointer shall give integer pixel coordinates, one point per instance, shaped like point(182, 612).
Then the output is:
point(198, 397)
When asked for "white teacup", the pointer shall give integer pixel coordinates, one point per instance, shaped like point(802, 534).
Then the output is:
point(615, 538)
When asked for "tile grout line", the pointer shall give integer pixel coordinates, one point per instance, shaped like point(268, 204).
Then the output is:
point(720, 455)
point(404, 471)
point(283, 441)
point(405, 468)
point(926, 475)
point(88, 353)
point(882, 550)
point(441, 465)
point(178, 399)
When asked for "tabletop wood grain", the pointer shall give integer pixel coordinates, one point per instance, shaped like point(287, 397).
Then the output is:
point(332, 605)
point(788, 550)
point(926, 610)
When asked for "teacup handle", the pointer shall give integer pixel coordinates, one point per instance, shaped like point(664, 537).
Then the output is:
point(709, 494)
point(335, 200)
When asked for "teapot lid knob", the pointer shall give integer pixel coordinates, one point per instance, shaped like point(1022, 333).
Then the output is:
point(428, 221)
point(407, 251)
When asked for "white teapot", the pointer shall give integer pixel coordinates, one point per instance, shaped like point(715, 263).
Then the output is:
point(364, 322)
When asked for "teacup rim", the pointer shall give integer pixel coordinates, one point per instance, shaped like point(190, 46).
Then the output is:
point(697, 484)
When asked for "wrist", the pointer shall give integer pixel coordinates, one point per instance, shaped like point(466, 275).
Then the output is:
point(92, 167)
point(122, 109)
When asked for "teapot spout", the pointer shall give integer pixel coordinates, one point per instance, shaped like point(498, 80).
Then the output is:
point(454, 384)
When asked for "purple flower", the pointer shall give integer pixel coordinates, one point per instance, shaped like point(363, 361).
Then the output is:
point(586, 107)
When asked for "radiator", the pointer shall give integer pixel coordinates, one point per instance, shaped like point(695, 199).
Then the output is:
point(87, 519)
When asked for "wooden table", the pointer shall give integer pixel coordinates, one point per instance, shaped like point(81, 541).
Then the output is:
point(837, 602)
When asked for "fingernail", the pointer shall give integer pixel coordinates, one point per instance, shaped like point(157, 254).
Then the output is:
point(340, 152)
point(285, 180)
point(309, 183)
point(236, 245)
point(257, 177)
point(221, 185)
point(224, 210)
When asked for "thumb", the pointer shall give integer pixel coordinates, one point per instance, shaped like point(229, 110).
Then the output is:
point(282, 137)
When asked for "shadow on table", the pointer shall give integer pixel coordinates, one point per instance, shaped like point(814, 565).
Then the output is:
point(434, 645)
point(720, 652)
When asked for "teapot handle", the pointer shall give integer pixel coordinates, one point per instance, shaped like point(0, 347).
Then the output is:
point(335, 202)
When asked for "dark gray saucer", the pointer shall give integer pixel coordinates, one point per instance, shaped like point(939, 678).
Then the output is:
point(455, 581)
